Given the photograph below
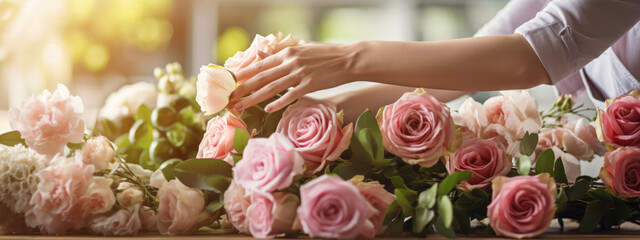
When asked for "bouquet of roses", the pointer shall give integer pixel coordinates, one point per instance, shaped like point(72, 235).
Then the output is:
point(415, 166)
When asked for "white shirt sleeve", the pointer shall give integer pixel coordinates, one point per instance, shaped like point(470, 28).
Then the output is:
point(514, 14)
point(568, 34)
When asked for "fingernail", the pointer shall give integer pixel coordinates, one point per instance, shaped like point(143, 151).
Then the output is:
point(268, 108)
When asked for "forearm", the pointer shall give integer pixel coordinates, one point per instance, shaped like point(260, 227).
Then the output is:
point(470, 64)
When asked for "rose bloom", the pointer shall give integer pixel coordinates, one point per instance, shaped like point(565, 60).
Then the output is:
point(334, 208)
point(268, 164)
point(98, 198)
point(49, 121)
point(122, 223)
point(620, 121)
point(548, 138)
point(268, 45)
point(418, 128)
point(581, 140)
point(271, 214)
point(148, 219)
point(484, 158)
point(54, 207)
point(316, 131)
point(98, 151)
point(124, 102)
point(130, 195)
point(181, 209)
point(157, 179)
point(214, 86)
point(621, 171)
point(236, 203)
point(522, 206)
point(218, 139)
point(471, 118)
point(570, 163)
point(378, 197)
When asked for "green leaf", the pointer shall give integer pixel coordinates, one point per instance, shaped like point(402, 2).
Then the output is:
point(167, 168)
point(240, 140)
point(559, 174)
point(144, 159)
point(206, 174)
point(462, 220)
point(523, 165)
point(621, 210)
point(11, 139)
point(271, 121)
point(392, 212)
point(177, 135)
point(593, 214)
point(398, 182)
point(143, 113)
point(367, 141)
point(442, 229)
point(561, 201)
point(141, 134)
point(215, 205)
point(528, 143)
point(450, 182)
point(405, 198)
point(367, 120)
point(253, 117)
point(445, 211)
point(601, 194)
point(578, 189)
point(394, 228)
point(544, 164)
point(427, 198)
point(421, 218)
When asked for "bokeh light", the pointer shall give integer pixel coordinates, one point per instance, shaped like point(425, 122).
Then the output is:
point(96, 57)
point(232, 40)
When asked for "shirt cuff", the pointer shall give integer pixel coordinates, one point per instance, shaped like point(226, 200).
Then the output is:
point(554, 46)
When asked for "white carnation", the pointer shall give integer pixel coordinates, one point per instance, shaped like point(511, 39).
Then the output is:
point(126, 100)
point(18, 181)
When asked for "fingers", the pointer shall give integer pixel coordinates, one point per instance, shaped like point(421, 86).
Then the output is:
point(266, 63)
point(288, 98)
point(266, 92)
point(258, 81)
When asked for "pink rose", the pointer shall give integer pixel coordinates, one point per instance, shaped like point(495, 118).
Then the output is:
point(522, 206)
point(149, 219)
point(271, 214)
point(620, 121)
point(157, 179)
point(49, 121)
point(98, 197)
point(268, 164)
point(316, 131)
point(548, 138)
point(334, 208)
point(267, 45)
point(236, 203)
point(54, 206)
point(581, 140)
point(378, 197)
point(98, 151)
point(213, 88)
point(471, 118)
point(181, 209)
point(621, 171)
point(485, 159)
point(122, 223)
point(418, 128)
point(218, 139)
point(130, 195)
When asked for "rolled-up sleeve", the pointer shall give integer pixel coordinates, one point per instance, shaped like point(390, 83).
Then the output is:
point(514, 14)
point(568, 34)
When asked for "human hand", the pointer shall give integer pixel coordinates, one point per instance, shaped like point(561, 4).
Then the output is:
point(306, 68)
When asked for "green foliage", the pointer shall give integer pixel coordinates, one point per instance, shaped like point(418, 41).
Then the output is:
point(559, 173)
point(206, 174)
point(240, 140)
point(528, 143)
point(523, 165)
point(545, 162)
point(367, 151)
point(11, 139)
point(450, 182)
point(593, 214)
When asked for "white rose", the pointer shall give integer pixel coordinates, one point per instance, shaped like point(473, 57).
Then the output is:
point(214, 86)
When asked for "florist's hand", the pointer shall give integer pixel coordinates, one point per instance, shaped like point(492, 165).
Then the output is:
point(306, 68)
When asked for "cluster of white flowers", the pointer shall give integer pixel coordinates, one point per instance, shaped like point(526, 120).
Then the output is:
point(126, 100)
point(18, 180)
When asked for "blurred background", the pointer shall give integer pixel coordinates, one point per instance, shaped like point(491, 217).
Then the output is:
point(97, 46)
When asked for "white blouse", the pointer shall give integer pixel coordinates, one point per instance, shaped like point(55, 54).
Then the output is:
point(586, 46)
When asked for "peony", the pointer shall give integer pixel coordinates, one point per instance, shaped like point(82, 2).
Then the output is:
point(378, 197)
point(49, 121)
point(619, 122)
point(125, 102)
point(54, 206)
point(130, 195)
point(316, 131)
point(580, 140)
point(268, 45)
point(218, 139)
point(485, 159)
point(523, 206)
point(18, 180)
point(418, 128)
point(98, 151)
point(236, 203)
point(334, 208)
point(214, 86)
point(181, 209)
point(268, 164)
point(271, 214)
point(121, 223)
point(621, 171)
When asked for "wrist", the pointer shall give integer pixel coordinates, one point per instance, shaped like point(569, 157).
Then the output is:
point(356, 67)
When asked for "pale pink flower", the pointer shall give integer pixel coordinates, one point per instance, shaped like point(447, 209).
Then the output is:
point(334, 208)
point(213, 88)
point(218, 139)
point(236, 203)
point(522, 206)
point(418, 128)
point(157, 179)
point(268, 164)
point(98, 151)
point(98, 198)
point(485, 159)
point(378, 197)
point(316, 131)
point(271, 214)
point(49, 121)
point(130, 195)
point(620, 171)
point(121, 223)
point(268, 45)
point(581, 140)
point(148, 218)
point(181, 209)
point(471, 118)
